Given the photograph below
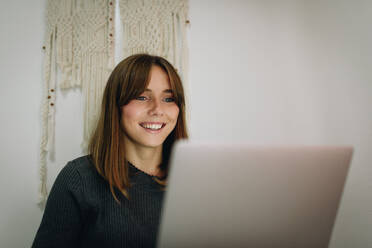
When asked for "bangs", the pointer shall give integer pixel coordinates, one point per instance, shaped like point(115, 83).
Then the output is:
point(174, 82)
point(178, 96)
point(135, 80)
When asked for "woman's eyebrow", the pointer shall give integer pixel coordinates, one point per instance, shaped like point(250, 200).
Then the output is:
point(165, 91)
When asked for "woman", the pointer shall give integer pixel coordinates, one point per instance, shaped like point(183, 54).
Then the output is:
point(113, 197)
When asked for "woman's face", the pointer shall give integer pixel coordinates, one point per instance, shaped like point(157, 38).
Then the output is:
point(150, 118)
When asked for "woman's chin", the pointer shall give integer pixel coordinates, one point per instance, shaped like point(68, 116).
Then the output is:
point(153, 144)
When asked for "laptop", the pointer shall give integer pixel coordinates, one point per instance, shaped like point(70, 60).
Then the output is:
point(236, 195)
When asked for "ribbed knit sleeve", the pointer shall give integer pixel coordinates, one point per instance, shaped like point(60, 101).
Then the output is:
point(62, 220)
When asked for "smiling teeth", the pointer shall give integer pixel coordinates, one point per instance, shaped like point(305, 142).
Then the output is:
point(152, 126)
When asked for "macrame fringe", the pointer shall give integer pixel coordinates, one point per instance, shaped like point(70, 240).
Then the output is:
point(80, 43)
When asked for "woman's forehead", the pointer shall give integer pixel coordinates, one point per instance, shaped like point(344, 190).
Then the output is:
point(158, 81)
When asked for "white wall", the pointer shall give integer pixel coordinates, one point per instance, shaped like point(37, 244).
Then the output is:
point(21, 30)
point(295, 72)
point(263, 72)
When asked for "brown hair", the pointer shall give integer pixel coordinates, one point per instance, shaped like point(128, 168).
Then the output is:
point(128, 80)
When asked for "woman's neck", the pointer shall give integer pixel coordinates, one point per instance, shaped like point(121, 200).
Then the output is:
point(146, 159)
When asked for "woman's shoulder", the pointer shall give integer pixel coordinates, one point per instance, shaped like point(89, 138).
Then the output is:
point(80, 177)
point(80, 171)
point(82, 164)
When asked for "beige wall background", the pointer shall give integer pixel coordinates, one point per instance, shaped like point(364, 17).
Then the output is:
point(261, 72)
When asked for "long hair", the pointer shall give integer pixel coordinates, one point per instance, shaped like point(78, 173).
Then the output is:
point(128, 80)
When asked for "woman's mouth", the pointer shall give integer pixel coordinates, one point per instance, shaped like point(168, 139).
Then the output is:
point(153, 127)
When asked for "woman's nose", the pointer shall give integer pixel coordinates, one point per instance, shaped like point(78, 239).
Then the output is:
point(155, 107)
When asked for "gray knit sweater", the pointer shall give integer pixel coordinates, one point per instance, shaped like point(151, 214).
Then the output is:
point(81, 211)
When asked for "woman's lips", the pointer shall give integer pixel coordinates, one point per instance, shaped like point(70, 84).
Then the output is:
point(152, 127)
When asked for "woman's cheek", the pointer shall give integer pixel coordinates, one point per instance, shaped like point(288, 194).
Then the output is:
point(131, 111)
point(175, 112)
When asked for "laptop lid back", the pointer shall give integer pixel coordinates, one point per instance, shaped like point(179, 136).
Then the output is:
point(238, 195)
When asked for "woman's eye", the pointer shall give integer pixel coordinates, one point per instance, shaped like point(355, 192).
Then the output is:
point(169, 99)
point(141, 98)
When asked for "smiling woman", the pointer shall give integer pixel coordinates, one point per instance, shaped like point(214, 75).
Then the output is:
point(138, 92)
point(149, 119)
point(113, 196)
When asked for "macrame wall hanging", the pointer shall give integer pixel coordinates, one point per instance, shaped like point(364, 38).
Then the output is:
point(156, 27)
point(79, 52)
